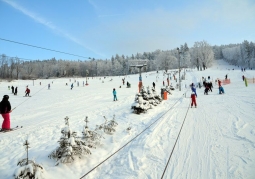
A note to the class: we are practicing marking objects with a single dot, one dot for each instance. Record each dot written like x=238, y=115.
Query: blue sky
x=102, y=28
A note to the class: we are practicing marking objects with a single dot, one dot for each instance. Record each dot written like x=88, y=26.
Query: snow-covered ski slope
x=217, y=139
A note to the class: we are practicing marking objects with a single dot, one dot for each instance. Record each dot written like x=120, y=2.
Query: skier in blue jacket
x=114, y=95
x=193, y=89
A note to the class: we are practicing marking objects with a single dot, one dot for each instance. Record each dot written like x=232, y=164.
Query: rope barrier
x=175, y=144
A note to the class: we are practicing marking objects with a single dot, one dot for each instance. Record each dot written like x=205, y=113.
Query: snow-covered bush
x=145, y=100
x=28, y=168
x=69, y=146
x=108, y=126
x=92, y=138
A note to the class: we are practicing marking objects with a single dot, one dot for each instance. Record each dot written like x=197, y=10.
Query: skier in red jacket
x=27, y=91
x=193, y=99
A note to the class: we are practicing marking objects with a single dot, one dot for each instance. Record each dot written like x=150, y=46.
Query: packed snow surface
x=217, y=139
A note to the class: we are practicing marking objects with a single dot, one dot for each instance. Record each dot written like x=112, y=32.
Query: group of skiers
x=208, y=87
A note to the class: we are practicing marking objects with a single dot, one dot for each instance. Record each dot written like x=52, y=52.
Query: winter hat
x=6, y=97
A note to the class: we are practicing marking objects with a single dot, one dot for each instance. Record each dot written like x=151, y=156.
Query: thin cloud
x=47, y=24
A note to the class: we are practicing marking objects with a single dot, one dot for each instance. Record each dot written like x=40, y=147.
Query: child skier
x=193, y=99
x=206, y=90
x=114, y=95
x=27, y=91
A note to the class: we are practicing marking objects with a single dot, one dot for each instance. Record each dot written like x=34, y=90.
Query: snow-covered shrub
x=69, y=146
x=145, y=100
x=108, y=126
x=28, y=168
x=92, y=138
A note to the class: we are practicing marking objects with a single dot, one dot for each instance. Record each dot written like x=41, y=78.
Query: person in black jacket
x=16, y=91
x=12, y=89
x=5, y=110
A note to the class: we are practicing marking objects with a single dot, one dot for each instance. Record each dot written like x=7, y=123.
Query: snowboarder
x=128, y=85
x=12, y=89
x=193, y=99
x=243, y=77
x=71, y=86
x=16, y=91
x=27, y=91
x=49, y=86
x=114, y=95
x=153, y=84
x=226, y=77
x=5, y=110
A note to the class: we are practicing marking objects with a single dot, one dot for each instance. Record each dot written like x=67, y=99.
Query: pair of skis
x=11, y=129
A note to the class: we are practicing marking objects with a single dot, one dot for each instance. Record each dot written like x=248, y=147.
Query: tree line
x=201, y=56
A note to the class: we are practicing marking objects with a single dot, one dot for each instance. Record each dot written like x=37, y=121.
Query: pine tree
x=92, y=138
x=69, y=146
x=108, y=126
x=28, y=168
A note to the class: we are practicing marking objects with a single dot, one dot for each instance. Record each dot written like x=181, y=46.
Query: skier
x=226, y=77
x=27, y=91
x=206, y=90
x=114, y=95
x=163, y=83
x=167, y=81
x=12, y=89
x=193, y=99
x=71, y=86
x=243, y=77
x=49, y=86
x=153, y=84
x=16, y=91
x=5, y=110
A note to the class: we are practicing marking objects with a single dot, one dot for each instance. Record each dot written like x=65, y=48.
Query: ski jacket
x=27, y=90
x=194, y=90
x=5, y=106
x=114, y=92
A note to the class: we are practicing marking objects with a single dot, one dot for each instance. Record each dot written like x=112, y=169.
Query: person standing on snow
x=27, y=91
x=153, y=84
x=12, y=89
x=193, y=99
x=71, y=86
x=114, y=95
x=16, y=91
x=5, y=110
